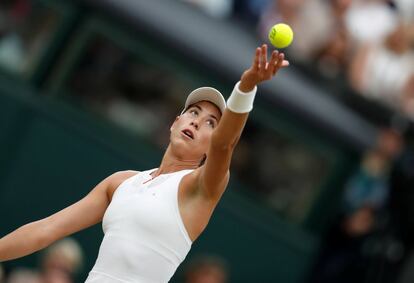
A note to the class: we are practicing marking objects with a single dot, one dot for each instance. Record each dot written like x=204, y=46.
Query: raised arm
x=214, y=174
x=80, y=215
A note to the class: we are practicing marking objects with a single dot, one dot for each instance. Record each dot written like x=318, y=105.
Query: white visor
x=206, y=94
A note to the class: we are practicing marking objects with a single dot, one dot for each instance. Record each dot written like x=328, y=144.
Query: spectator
x=370, y=21
x=207, y=269
x=61, y=261
x=344, y=257
x=385, y=72
x=26, y=27
x=369, y=185
x=12, y=46
x=383, y=65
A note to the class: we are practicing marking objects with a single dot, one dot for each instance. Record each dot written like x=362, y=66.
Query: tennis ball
x=281, y=35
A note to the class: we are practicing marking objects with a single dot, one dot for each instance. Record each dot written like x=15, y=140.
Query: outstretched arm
x=214, y=174
x=82, y=214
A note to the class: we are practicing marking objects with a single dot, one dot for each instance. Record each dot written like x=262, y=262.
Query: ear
x=172, y=126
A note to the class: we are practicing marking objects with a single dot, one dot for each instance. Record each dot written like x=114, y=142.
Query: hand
x=261, y=70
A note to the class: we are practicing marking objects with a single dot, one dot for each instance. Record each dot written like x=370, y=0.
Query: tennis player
x=151, y=218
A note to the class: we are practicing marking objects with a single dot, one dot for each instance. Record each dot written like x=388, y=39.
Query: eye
x=211, y=123
x=194, y=112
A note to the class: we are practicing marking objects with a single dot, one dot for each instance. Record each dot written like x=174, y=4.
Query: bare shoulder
x=190, y=181
x=117, y=179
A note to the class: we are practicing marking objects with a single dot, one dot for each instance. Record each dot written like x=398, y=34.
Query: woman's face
x=191, y=132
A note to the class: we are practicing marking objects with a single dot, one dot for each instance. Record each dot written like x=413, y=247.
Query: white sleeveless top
x=145, y=238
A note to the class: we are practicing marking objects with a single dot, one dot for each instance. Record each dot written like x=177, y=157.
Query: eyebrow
x=201, y=109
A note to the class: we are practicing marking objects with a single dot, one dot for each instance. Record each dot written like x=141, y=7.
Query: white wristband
x=241, y=102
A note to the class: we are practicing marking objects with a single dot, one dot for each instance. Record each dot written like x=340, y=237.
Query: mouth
x=188, y=133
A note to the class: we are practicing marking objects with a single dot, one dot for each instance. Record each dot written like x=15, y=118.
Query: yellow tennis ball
x=281, y=35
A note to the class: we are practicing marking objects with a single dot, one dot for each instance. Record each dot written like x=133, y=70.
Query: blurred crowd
x=367, y=42
x=63, y=261
x=370, y=43
x=59, y=263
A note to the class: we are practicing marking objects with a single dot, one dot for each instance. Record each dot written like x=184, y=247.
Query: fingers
x=273, y=60
x=285, y=63
x=280, y=63
x=264, y=69
x=256, y=60
x=263, y=58
x=280, y=60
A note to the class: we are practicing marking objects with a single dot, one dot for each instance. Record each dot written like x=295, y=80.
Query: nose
x=194, y=123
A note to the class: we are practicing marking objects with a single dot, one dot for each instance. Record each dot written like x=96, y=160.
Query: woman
x=151, y=218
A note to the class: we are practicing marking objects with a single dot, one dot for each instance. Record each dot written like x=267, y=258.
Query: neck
x=172, y=163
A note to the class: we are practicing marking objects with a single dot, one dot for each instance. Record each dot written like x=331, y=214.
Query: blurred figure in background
x=61, y=262
x=332, y=55
x=207, y=269
x=369, y=187
x=345, y=257
x=24, y=275
x=26, y=27
x=385, y=71
x=12, y=44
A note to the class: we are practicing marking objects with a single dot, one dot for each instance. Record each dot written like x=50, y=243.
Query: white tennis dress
x=145, y=238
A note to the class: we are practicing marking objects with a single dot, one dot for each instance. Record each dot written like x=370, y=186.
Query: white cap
x=206, y=94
